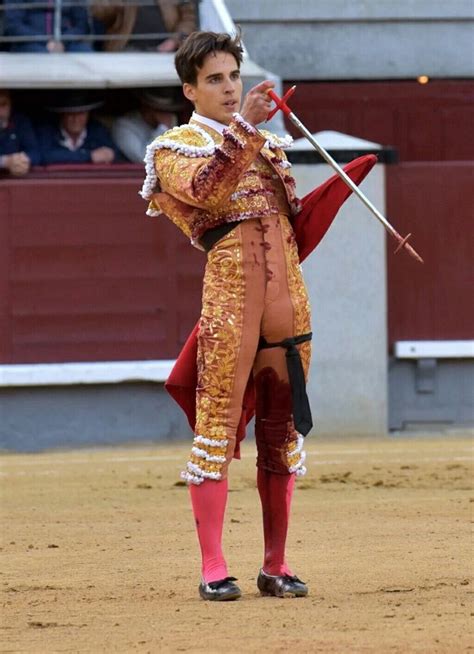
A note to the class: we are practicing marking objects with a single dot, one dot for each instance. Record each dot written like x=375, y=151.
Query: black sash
x=211, y=236
x=301, y=409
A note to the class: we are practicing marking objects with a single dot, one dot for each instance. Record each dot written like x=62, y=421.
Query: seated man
x=40, y=22
x=75, y=137
x=19, y=148
x=155, y=115
x=125, y=20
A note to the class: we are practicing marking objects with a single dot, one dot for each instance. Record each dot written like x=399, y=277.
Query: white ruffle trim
x=194, y=475
x=150, y=178
x=153, y=212
x=210, y=442
x=209, y=457
x=161, y=143
x=299, y=444
x=273, y=141
x=299, y=468
x=191, y=479
x=243, y=123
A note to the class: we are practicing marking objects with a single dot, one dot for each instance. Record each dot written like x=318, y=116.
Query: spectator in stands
x=176, y=17
x=75, y=137
x=19, y=148
x=155, y=115
x=40, y=22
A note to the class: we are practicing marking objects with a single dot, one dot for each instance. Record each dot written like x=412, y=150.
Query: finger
x=263, y=87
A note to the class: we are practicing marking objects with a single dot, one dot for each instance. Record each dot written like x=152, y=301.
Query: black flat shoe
x=223, y=590
x=283, y=586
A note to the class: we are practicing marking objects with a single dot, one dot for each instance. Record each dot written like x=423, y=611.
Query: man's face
x=217, y=93
x=74, y=122
x=5, y=108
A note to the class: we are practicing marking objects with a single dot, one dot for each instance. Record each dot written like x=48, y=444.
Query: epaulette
x=189, y=140
x=273, y=141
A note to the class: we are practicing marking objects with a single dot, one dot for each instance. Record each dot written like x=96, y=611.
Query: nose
x=229, y=86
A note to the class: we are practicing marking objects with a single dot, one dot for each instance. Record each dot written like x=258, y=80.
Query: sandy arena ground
x=99, y=553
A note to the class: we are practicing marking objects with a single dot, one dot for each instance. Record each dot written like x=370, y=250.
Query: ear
x=189, y=92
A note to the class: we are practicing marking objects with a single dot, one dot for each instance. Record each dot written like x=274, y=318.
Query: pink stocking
x=209, y=501
x=276, y=492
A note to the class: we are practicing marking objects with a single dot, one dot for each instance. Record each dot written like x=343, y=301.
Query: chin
x=227, y=117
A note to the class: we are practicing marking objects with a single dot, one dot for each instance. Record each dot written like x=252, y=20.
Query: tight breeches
x=252, y=287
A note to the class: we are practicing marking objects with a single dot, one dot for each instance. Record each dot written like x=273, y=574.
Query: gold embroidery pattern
x=220, y=330
x=200, y=179
x=298, y=293
x=295, y=455
x=302, y=325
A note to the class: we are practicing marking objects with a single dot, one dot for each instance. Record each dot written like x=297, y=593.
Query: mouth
x=231, y=105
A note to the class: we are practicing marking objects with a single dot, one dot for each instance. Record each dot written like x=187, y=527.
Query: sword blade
x=327, y=157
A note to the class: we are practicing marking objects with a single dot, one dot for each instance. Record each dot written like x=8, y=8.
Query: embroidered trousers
x=252, y=287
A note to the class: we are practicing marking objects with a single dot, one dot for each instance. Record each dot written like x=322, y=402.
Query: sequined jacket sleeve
x=206, y=182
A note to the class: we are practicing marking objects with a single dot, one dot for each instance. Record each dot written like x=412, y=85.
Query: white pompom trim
x=210, y=442
x=273, y=141
x=166, y=143
x=209, y=457
x=299, y=468
x=299, y=444
x=152, y=212
x=191, y=479
x=196, y=470
x=243, y=123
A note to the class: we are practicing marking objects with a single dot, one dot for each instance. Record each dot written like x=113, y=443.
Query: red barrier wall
x=434, y=201
x=425, y=122
x=86, y=276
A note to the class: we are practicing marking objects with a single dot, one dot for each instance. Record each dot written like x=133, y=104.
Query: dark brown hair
x=191, y=54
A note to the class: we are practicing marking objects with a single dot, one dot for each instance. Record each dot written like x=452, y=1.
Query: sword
x=282, y=106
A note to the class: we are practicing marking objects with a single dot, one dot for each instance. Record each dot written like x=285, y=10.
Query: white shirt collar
x=69, y=143
x=213, y=124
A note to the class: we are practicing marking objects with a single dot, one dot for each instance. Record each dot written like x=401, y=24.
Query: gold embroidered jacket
x=201, y=179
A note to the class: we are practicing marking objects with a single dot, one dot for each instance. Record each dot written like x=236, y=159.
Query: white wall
x=345, y=278
x=358, y=39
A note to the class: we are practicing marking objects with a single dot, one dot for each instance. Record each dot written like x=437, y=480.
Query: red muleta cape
x=319, y=208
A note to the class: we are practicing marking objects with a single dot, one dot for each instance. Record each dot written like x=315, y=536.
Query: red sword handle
x=280, y=102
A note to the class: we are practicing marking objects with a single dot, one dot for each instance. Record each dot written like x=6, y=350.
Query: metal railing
x=56, y=7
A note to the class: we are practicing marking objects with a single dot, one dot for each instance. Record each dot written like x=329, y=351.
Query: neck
x=210, y=122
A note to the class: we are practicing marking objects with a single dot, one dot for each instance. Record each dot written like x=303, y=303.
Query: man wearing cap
x=155, y=115
x=19, y=148
x=75, y=137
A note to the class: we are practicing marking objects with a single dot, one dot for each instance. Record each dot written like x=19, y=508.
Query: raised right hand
x=257, y=104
